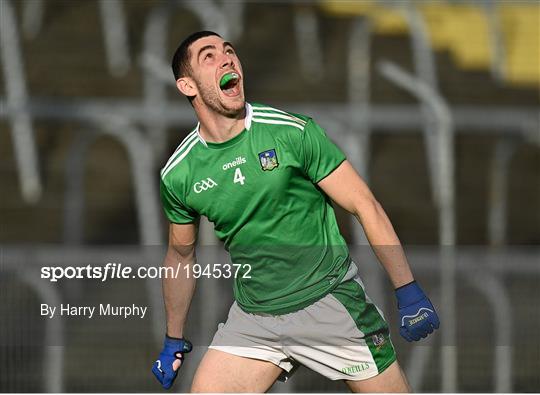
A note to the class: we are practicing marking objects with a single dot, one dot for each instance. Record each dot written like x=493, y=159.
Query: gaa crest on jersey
x=268, y=159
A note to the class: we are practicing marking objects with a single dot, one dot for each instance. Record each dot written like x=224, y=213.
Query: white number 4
x=238, y=177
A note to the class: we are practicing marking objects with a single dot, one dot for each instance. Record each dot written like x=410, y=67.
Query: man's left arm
x=346, y=188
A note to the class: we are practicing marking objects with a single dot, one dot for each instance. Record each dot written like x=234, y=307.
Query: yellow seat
x=520, y=25
x=463, y=30
x=385, y=20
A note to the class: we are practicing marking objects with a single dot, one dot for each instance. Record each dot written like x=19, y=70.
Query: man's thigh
x=391, y=380
x=223, y=372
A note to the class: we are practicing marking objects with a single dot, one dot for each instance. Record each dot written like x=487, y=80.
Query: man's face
x=211, y=59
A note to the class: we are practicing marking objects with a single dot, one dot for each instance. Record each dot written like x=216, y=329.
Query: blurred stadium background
x=435, y=102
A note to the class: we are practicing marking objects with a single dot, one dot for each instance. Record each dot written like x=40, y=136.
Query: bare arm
x=177, y=292
x=346, y=188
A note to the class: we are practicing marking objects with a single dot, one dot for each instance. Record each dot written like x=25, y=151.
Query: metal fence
x=140, y=124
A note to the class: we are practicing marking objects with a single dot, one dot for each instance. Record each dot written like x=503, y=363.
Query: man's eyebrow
x=209, y=46
x=227, y=44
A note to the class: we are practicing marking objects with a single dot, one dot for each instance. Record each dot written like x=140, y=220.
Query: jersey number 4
x=238, y=177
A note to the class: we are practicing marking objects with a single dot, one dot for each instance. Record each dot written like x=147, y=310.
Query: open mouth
x=229, y=84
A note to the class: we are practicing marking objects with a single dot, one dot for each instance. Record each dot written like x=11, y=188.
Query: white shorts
x=342, y=336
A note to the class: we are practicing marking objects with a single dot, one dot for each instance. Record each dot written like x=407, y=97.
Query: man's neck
x=217, y=128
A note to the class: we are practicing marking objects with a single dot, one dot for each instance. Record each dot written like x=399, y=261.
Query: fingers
x=423, y=330
x=157, y=373
x=433, y=317
x=166, y=374
x=426, y=329
x=176, y=364
x=405, y=334
x=415, y=336
x=431, y=325
x=168, y=379
x=419, y=332
x=436, y=321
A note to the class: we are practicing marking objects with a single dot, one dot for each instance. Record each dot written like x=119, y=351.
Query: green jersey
x=259, y=190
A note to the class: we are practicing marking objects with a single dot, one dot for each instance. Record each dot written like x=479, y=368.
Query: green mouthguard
x=226, y=78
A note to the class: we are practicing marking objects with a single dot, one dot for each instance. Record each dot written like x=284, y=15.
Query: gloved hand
x=173, y=349
x=417, y=314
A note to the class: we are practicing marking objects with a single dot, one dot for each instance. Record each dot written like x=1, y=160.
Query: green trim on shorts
x=368, y=320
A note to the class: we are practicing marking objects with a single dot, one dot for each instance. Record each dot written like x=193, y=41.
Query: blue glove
x=417, y=314
x=173, y=349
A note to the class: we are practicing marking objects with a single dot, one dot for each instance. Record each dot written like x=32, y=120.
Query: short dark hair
x=180, y=61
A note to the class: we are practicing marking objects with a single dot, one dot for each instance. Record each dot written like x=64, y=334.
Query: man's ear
x=186, y=86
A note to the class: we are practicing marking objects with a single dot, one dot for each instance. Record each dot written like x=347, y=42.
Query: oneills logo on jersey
x=204, y=185
x=238, y=161
x=268, y=159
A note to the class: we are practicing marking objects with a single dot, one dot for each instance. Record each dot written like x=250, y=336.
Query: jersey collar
x=249, y=115
x=247, y=123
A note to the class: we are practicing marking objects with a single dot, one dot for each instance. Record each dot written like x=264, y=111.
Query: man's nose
x=226, y=61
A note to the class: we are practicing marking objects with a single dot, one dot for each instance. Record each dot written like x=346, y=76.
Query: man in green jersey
x=265, y=178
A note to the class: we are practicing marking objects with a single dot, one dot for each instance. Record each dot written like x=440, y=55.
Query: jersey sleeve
x=173, y=207
x=320, y=155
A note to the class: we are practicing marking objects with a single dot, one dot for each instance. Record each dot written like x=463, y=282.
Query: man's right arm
x=178, y=292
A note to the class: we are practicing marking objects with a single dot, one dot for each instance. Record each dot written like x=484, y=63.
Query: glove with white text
x=417, y=314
